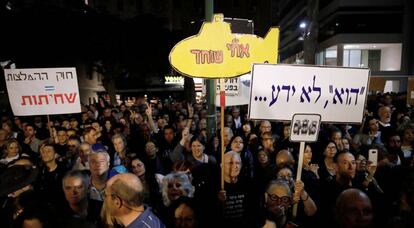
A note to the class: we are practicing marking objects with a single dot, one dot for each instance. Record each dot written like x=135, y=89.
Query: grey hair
x=279, y=183
x=121, y=137
x=103, y=152
x=233, y=154
x=229, y=131
x=185, y=183
x=79, y=174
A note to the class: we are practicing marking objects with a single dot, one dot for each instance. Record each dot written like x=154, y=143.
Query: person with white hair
x=238, y=200
x=99, y=167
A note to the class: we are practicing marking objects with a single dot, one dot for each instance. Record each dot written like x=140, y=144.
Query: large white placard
x=279, y=91
x=43, y=91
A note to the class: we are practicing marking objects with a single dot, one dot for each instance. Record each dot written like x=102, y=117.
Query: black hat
x=16, y=177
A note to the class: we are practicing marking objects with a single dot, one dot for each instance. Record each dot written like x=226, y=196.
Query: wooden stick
x=48, y=126
x=222, y=106
x=299, y=174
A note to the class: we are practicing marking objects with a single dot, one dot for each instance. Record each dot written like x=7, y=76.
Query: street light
x=304, y=30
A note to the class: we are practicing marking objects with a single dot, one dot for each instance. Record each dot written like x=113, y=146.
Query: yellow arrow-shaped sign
x=217, y=53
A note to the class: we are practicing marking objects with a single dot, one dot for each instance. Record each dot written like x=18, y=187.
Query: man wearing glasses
x=123, y=201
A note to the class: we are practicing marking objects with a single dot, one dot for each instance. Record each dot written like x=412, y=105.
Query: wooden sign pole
x=299, y=174
x=222, y=106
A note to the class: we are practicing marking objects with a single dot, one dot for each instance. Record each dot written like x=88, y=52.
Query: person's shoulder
x=212, y=159
x=149, y=218
x=269, y=224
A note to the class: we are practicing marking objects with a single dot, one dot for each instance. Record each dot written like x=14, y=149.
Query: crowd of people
x=157, y=165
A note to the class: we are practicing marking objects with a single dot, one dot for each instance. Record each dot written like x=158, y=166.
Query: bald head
x=128, y=187
x=353, y=209
x=284, y=158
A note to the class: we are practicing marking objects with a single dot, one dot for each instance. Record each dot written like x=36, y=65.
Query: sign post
x=304, y=128
x=228, y=55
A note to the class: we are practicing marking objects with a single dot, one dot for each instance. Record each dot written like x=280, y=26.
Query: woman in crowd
x=336, y=136
x=174, y=186
x=237, y=144
x=310, y=174
x=120, y=147
x=238, y=193
x=370, y=134
x=108, y=131
x=264, y=170
x=185, y=213
x=407, y=140
x=278, y=203
x=197, y=147
x=149, y=182
x=11, y=152
x=327, y=169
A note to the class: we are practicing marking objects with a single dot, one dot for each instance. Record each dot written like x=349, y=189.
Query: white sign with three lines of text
x=43, y=91
x=279, y=91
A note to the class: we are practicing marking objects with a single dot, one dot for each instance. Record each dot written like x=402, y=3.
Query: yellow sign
x=217, y=53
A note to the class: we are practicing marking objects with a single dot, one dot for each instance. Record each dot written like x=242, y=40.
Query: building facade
x=376, y=34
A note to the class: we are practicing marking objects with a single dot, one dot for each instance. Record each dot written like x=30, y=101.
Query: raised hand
x=190, y=110
x=148, y=111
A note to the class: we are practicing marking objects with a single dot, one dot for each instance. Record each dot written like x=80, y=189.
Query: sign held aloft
x=217, y=53
x=280, y=91
x=43, y=91
x=305, y=128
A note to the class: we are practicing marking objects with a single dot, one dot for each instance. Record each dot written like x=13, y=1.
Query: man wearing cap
x=16, y=183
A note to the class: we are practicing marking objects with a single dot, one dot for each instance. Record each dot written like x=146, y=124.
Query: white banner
x=280, y=91
x=243, y=95
x=43, y=91
x=231, y=86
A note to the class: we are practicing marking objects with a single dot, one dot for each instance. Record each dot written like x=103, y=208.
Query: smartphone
x=373, y=156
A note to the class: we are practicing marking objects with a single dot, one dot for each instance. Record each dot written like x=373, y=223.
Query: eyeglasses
x=284, y=200
x=285, y=177
x=69, y=145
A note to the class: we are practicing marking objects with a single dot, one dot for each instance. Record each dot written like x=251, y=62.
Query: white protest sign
x=305, y=128
x=280, y=91
x=243, y=94
x=231, y=86
x=43, y=91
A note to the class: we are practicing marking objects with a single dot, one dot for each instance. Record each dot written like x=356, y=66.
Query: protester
x=146, y=147
x=123, y=201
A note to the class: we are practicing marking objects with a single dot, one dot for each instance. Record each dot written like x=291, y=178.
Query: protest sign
x=241, y=97
x=280, y=91
x=43, y=91
x=216, y=52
